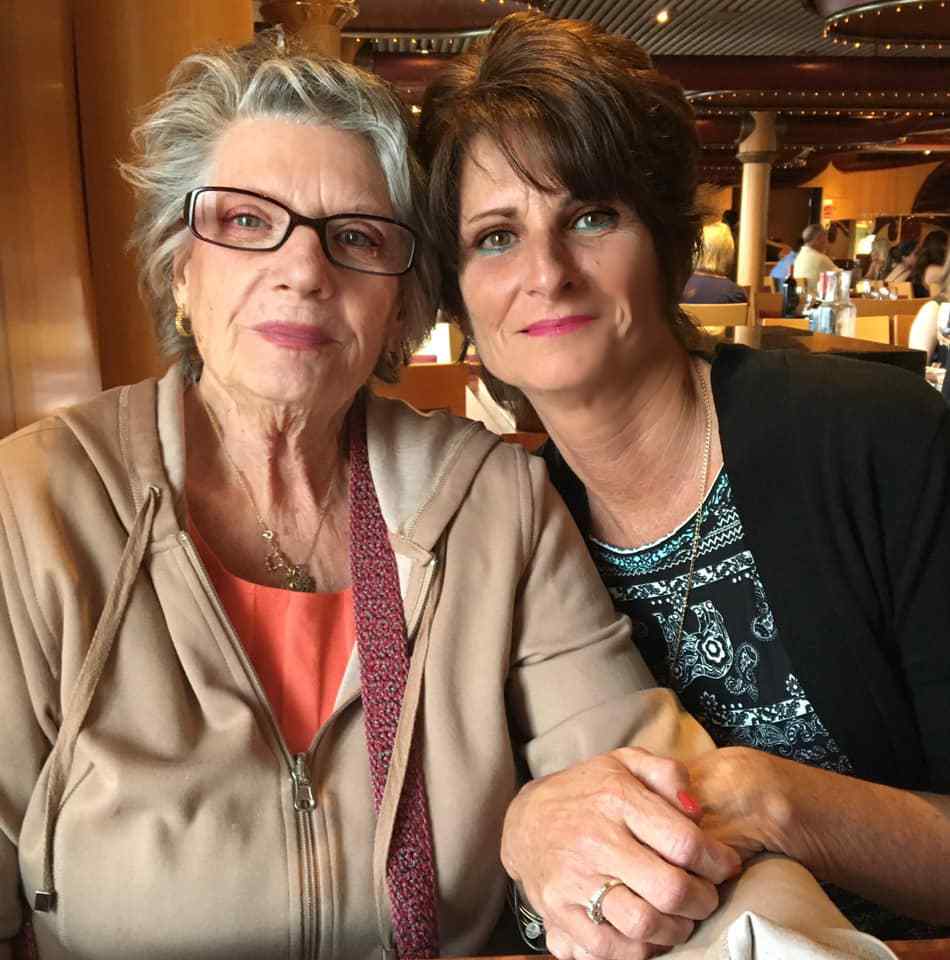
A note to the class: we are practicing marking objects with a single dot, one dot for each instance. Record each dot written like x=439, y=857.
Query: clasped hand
x=617, y=815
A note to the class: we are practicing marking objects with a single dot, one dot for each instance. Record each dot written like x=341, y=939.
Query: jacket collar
x=422, y=465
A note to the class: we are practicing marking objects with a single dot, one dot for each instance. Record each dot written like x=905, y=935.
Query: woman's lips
x=557, y=326
x=294, y=336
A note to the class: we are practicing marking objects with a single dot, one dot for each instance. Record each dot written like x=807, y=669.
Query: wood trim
x=124, y=52
x=47, y=341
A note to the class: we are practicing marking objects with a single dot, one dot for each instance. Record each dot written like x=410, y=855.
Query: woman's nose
x=551, y=265
x=303, y=265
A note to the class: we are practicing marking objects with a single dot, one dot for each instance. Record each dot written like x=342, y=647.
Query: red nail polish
x=690, y=804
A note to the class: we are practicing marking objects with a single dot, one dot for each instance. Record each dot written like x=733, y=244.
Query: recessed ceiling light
x=663, y=16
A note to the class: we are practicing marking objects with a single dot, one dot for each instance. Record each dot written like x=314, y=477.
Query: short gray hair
x=206, y=94
x=812, y=232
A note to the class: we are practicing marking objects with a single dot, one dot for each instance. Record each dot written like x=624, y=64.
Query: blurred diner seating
x=429, y=386
x=528, y=439
x=769, y=305
x=901, y=328
x=795, y=323
x=869, y=307
x=718, y=314
x=876, y=328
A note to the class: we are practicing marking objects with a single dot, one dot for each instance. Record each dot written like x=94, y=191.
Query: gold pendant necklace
x=697, y=524
x=296, y=576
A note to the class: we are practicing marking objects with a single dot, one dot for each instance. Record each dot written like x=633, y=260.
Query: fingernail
x=689, y=803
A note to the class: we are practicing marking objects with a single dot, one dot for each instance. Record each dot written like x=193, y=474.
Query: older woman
x=709, y=282
x=778, y=528
x=272, y=651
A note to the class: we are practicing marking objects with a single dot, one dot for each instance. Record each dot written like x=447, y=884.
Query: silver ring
x=595, y=906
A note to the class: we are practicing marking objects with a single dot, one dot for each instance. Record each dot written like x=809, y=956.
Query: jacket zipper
x=304, y=804
x=298, y=766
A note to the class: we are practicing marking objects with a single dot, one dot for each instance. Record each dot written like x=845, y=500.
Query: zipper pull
x=303, y=787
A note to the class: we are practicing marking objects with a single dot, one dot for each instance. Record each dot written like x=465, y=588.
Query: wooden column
x=757, y=152
x=47, y=327
x=124, y=52
x=316, y=22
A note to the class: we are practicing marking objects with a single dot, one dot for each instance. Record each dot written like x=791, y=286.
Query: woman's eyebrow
x=504, y=212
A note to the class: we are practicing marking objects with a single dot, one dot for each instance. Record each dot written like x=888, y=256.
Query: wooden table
x=787, y=338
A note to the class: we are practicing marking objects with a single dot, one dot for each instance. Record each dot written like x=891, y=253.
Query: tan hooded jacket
x=148, y=784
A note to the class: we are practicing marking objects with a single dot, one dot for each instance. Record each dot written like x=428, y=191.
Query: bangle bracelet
x=530, y=922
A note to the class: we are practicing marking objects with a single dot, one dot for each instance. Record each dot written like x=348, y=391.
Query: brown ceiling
x=863, y=107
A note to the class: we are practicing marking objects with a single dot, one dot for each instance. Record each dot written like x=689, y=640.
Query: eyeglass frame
x=319, y=225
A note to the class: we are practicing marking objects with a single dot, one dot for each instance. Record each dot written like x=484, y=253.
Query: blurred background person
x=929, y=262
x=812, y=258
x=880, y=254
x=709, y=282
x=901, y=266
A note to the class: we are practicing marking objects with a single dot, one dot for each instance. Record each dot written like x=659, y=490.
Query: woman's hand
x=617, y=815
x=736, y=787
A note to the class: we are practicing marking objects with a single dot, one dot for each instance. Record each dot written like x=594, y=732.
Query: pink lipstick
x=294, y=336
x=556, y=326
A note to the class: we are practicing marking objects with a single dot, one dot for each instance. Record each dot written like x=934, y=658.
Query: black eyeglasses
x=243, y=220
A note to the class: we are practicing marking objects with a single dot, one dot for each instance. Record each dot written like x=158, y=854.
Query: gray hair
x=206, y=94
x=812, y=232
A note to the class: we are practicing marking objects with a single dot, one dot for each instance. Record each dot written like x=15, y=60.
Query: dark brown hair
x=573, y=108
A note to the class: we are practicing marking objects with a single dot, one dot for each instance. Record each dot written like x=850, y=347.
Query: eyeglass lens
x=245, y=222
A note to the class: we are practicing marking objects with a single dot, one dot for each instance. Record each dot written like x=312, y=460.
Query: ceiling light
x=663, y=16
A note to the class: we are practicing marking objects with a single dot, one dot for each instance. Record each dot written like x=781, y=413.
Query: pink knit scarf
x=384, y=666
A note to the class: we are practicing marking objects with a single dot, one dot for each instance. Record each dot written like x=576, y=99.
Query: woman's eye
x=355, y=238
x=495, y=241
x=248, y=221
x=595, y=221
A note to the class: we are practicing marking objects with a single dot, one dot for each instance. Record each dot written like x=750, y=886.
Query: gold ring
x=595, y=906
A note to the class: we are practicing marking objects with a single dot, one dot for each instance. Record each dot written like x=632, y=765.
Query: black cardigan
x=841, y=474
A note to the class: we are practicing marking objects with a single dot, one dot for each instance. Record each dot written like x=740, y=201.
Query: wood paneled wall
x=47, y=324
x=124, y=52
x=75, y=74
x=871, y=193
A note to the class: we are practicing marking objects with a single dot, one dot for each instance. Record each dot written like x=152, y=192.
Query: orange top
x=299, y=644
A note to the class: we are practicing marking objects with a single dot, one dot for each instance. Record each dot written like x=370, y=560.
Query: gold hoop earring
x=182, y=323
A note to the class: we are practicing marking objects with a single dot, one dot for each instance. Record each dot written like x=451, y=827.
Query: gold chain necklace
x=296, y=576
x=697, y=524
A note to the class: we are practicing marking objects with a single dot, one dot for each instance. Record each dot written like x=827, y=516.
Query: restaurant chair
x=769, y=304
x=901, y=328
x=718, y=314
x=429, y=386
x=796, y=323
x=876, y=328
x=527, y=439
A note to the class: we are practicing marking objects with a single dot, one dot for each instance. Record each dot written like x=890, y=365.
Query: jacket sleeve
x=25, y=682
x=917, y=520
x=577, y=686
